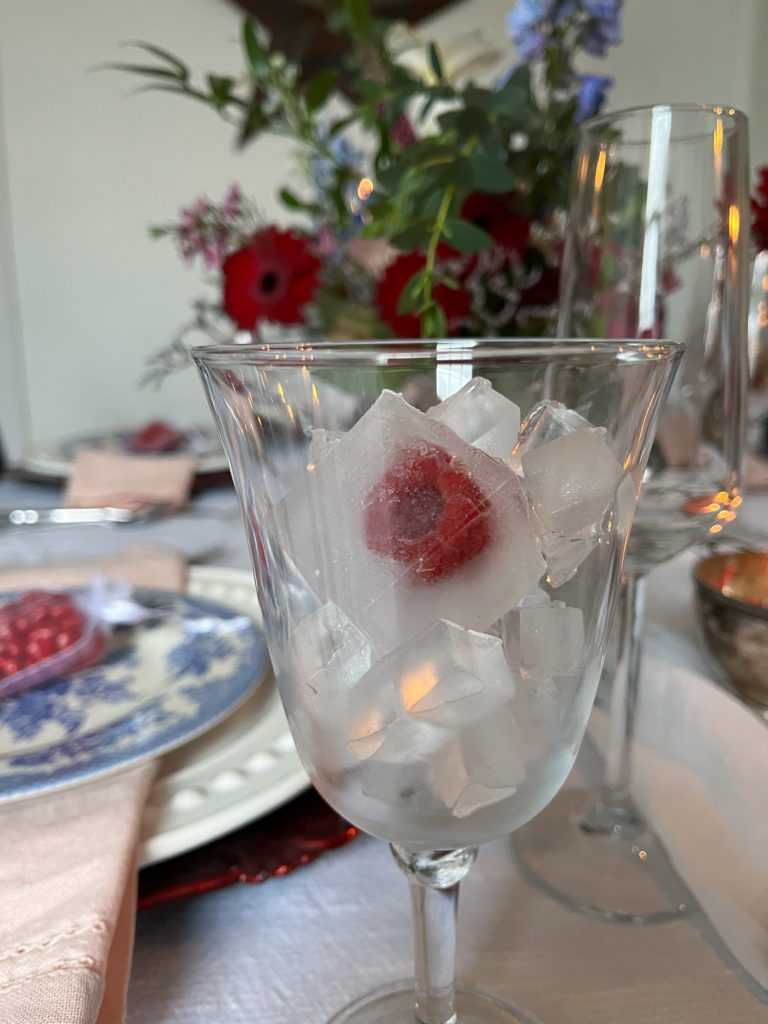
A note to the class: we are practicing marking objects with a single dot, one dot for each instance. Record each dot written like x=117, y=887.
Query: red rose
x=272, y=278
x=455, y=302
x=494, y=214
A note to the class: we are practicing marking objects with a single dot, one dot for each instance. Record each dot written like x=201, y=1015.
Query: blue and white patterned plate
x=162, y=684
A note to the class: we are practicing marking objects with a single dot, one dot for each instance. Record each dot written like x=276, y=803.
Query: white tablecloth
x=295, y=949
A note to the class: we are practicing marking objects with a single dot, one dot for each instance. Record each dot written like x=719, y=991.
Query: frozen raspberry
x=427, y=514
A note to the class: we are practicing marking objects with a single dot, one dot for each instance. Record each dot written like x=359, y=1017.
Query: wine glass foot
x=394, y=1004
x=623, y=876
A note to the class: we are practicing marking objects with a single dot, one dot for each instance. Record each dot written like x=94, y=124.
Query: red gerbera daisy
x=455, y=302
x=272, y=278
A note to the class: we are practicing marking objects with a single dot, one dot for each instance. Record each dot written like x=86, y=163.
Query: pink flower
x=230, y=206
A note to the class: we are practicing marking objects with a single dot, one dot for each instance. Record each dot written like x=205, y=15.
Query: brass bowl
x=732, y=604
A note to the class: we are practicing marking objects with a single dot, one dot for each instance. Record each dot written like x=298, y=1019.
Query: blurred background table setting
x=408, y=170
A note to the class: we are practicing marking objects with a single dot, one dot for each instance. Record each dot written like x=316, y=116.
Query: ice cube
x=434, y=768
x=482, y=417
x=431, y=678
x=401, y=768
x=327, y=654
x=433, y=720
x=321, y=442
x=545, y=422
x=564, y=555
x=571, y=481
x=329, y=651
x=325, y=528
x=547, y=641
x=493, y=758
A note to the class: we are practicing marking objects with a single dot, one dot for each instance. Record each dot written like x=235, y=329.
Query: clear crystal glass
x=656, y=246
x=437, y=532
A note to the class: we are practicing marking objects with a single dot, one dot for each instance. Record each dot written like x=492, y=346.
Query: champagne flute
x=436, y=678
x=656, y=245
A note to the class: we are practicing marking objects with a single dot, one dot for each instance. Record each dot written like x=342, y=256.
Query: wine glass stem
x=615, y=810
x=433, y=878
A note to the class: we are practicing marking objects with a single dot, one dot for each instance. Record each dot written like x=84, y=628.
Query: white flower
x=472, y=56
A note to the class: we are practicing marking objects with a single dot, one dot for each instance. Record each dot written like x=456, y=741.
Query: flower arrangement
x=432, y=205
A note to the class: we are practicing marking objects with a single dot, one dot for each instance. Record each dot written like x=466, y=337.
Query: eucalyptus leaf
x=413, y=237
x=465, y=236
x=319, y=89
x=410, y=297
x=490, y=175
x=433, y=323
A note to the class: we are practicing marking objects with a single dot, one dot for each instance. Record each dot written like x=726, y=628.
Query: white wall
x=85, y=166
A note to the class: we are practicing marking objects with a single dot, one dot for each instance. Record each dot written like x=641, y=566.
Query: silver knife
x=78, y=516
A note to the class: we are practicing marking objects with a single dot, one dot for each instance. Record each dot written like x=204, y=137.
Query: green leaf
x=181, y=68
x=178, y=88
x=340, y=125
x=142, y=69
x=509, y=100
x=257, y=57
x=435, y=63
x=359, y=13
x=253, y=122
x=465, y=236
x=290, y=199
x=475, y=96
x=491, y=175
x=319, y=89
x=220, y=87
x=410, y=297
x=449, y=282
x=466, y=121
x=433, y=323
x=414, y=236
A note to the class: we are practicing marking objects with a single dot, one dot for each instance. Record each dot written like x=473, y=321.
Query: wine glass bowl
x=437, y=585
x=656, y=246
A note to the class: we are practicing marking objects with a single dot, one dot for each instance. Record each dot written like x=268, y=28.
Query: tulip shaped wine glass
x=656, y=246
x=437, y=584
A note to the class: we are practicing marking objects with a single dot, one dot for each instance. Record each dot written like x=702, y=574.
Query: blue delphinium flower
x=527, y=26
x=591, y=96
x=604, y=27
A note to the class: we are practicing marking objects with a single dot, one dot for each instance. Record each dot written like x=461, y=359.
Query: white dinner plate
x=233, y=774
x=55, y=458
x=161, y=684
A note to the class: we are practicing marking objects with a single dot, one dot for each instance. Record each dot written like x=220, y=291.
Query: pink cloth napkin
x=68, y=858
x=68, y=899
x=128, y=481
x=145, y=565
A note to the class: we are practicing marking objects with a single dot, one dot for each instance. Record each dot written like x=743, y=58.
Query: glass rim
x=382, y=353
x=734, y=118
